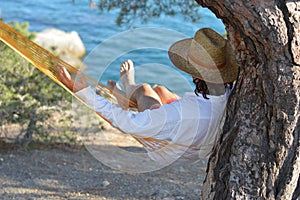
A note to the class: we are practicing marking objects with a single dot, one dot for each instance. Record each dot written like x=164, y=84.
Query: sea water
x=108, y=44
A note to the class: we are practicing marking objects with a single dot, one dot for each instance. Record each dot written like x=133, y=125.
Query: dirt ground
x=72, y=172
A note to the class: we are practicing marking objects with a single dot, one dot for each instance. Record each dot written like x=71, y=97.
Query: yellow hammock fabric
x=47, y=63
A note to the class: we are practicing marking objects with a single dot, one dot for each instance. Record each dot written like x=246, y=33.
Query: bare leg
x=119, y=94
x=164, y=94
x=142, y=94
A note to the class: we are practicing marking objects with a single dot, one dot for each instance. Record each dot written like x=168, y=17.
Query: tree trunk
x=258, y=154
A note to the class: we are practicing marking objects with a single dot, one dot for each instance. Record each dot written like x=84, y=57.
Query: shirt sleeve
x=156, y=123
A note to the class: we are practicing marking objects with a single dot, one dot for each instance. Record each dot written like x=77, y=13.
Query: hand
x=65, y=77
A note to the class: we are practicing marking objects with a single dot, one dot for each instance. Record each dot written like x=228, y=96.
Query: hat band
x=199, y=63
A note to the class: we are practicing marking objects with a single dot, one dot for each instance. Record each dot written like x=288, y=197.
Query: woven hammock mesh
x=46, y=62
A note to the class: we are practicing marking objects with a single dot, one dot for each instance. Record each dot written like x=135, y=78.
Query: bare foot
x=119, y=94
x=127, y=77
x=113, y=85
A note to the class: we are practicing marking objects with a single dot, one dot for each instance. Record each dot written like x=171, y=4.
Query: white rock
x=105, y=183
x=60, y=42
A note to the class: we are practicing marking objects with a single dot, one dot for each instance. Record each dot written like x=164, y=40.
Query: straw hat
x=207, y=56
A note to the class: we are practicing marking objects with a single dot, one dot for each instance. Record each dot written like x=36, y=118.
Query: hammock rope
x=47, y=63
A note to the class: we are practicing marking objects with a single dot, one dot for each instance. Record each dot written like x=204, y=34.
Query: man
x=188, y=126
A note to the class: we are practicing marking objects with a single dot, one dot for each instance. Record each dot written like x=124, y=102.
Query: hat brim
x=178, y=54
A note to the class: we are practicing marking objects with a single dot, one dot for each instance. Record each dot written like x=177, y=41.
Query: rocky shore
x=66, y=45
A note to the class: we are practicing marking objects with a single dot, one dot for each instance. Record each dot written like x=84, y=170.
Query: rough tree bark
x=258, y=153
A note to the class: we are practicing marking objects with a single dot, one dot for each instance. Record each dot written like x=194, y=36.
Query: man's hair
x=201, y=87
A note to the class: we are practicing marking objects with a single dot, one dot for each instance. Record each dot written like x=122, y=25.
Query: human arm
x=148, y=123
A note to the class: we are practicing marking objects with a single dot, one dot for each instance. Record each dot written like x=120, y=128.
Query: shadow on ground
x=71, y=172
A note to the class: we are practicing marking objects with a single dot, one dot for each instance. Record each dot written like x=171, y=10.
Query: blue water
x=107, y=44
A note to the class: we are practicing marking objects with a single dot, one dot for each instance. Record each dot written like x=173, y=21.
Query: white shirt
x=189, y=125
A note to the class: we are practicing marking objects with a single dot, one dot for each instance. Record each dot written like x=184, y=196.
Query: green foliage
x=142, y=10
x=28, y=97
x=23, y=29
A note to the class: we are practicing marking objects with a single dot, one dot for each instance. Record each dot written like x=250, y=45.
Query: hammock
x=47, y=63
